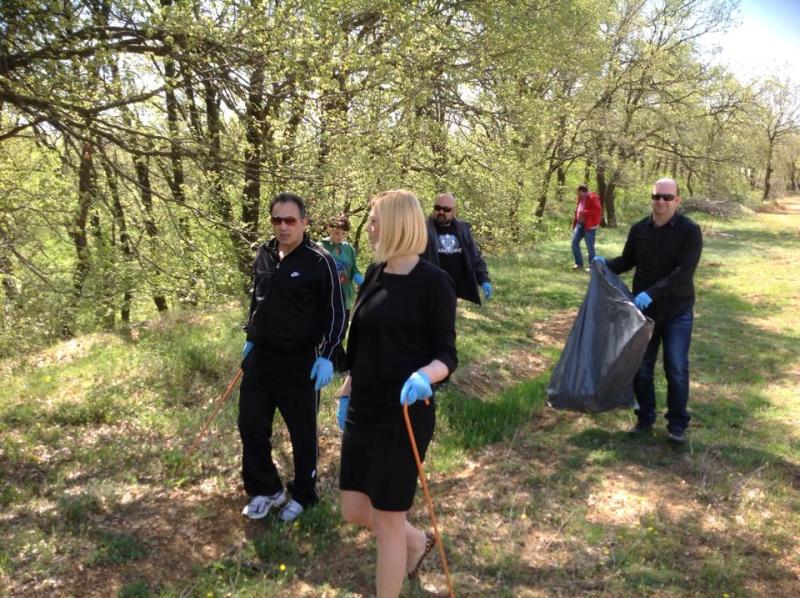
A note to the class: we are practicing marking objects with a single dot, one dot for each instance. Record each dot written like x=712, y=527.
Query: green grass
x=115, y=549
x=93, y=472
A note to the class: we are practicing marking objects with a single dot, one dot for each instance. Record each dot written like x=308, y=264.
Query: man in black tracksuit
x=452, y=247
x=296, y=321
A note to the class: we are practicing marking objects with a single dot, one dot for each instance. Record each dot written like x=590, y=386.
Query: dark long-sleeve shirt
x=400, y=324
x=297, y=307
x=665, y=258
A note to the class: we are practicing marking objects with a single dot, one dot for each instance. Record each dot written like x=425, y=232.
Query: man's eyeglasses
x=445, y=209
x=289, y=220
x=664, y=196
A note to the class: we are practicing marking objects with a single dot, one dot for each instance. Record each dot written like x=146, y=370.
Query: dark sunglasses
x=664, y=196
x=445, y=209
x=289, y=220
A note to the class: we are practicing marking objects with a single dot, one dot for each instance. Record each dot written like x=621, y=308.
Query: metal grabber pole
x=211, y=417
x=424, y=484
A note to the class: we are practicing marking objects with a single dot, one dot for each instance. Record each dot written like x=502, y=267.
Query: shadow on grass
x=676, y=556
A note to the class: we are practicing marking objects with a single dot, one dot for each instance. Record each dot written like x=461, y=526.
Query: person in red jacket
x=585, y=224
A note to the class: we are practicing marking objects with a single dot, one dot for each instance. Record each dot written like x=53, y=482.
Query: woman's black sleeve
x=442, y=316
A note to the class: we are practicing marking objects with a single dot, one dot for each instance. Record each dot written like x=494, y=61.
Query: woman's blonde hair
x=402, y=229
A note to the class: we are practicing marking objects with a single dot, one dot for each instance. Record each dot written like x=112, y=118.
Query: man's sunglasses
x=289, y=220
x=445, y=209
x=664, y=196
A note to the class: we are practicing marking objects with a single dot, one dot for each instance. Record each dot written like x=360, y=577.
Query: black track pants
x=298, y=407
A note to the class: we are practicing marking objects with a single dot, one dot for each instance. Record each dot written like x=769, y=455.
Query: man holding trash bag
x=665, y=249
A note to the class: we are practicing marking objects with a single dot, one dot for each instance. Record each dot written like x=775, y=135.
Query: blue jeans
x=675, y=335
x=578, y=233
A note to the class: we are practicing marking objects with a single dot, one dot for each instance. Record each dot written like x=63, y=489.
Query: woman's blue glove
x=322, y=370
x=642, y=300
x=358, y=278
x=417, y=387
x=341, y=412
x=248, y=346
x=487, y=289
x=599, y=259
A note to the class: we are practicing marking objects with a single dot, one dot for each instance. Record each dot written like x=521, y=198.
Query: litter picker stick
x=211, y=417
x=427, y=494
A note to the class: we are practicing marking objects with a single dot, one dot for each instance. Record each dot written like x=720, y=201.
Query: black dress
x=400, y=324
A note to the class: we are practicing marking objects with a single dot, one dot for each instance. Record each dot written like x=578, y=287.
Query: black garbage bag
x=604, y=349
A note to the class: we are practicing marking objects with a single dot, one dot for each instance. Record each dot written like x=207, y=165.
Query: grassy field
x=97, y=499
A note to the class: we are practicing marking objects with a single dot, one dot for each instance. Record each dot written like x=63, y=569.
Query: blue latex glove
x=322, y=370
x=358, y=278
x=416, y=388
x=642, y=300
x=487, y=289
x=599, y=259
x=248, y=346
x=341, y=412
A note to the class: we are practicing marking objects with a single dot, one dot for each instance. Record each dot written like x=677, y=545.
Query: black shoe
x=640, y=429
x=677, y=437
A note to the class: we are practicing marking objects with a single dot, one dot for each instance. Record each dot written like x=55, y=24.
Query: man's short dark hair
x=285, y=197
x=583, y=188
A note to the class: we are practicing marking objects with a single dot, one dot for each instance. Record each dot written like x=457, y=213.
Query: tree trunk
x=513, y=215
x=251, y=195
x=768, y=172
x=794, y=180
x=176, y=181
x=561, y=176
x=124, y=241
x=600, y=177
x=146, y=191
x=86, y=195
x=7, y=280
x=541, y=204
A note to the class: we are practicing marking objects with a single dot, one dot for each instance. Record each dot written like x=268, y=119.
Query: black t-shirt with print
x=450, y=251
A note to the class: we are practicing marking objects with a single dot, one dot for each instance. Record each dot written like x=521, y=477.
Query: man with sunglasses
x=452, y=247
x=665, y=249
x=296, y=321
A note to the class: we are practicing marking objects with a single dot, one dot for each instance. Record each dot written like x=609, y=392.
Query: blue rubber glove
x=341, y=412
x=599, y=259
x=358, y=278
x=248, y=346
x=322, y=370
x=487, y=289
x=642, y=300
x=416, y=388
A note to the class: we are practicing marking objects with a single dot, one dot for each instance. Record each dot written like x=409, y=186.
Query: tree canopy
x=141, y=140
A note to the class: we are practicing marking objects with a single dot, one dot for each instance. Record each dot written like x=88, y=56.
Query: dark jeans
x=579, y=233
x=258, y=401
x=675, y=335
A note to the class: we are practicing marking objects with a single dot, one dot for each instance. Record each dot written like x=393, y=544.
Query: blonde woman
x=402, y=340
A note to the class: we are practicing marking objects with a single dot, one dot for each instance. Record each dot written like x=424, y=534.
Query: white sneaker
x=259, y=506
x=291, y=511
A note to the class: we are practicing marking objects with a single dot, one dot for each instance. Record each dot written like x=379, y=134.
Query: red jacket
x=592, y=212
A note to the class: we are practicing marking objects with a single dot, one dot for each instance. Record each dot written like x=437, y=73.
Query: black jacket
x=665, y=258
x=422, y=330
x=297, y=302
x=473, y=267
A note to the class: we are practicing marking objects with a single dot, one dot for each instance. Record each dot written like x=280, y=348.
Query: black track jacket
x=297, y=302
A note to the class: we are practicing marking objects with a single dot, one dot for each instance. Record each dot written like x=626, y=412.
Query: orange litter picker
x=211, y=417
x=428, y=501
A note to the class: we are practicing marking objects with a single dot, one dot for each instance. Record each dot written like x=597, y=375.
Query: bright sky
x=764, y=41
